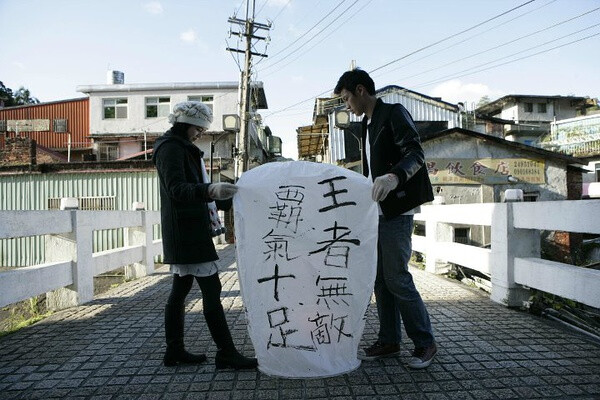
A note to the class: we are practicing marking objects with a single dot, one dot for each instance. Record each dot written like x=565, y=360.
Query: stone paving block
x=316, y=392
x=198, y=396
x=114, y=345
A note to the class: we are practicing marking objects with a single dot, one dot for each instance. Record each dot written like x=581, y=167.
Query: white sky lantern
x=306, y=236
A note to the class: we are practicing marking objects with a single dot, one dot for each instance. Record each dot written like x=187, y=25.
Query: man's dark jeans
x=397, y=298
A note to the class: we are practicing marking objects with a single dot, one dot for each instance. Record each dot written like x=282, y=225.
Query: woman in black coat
x=189, y=221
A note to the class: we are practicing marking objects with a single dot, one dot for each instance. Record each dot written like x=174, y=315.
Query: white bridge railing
x=513, y=261
x=70, y=264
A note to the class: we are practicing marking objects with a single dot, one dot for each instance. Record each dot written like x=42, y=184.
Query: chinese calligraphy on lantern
x=306, y=237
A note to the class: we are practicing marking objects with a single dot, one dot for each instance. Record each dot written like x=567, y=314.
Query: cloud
x=455, y=91
x=277, y=3
x=153, y=7
x=18, y=64
x=188, y=36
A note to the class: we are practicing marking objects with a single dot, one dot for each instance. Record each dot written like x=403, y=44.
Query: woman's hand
x=222, y=191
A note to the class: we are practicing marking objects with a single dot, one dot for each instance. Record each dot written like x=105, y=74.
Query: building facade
x=577, y=137
x=528, y=117
x=60, y=126
x=325, y=142
x=126, y=119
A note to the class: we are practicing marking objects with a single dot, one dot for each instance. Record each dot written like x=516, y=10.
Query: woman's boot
x=227, y=355
x=174, y=324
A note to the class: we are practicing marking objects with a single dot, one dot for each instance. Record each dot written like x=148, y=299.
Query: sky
x=458, y=50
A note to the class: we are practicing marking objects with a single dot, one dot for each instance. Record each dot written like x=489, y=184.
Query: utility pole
x=250, y=27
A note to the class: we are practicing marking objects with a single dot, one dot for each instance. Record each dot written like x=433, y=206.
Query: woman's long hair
x=180, y=129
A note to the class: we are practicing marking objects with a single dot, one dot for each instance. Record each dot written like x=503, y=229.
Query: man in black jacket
x=393, y=158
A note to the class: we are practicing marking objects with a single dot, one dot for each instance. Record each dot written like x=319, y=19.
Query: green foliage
x=23, y=314
x=9, y=98
x=6, y=96
x=483, y=101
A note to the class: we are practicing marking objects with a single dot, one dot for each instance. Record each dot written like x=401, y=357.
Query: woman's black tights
x=209, y=285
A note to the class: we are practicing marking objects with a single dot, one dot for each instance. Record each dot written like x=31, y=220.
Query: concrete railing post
x=431, y=235
x=508, y=243
x=140, y=235
x=76, y=245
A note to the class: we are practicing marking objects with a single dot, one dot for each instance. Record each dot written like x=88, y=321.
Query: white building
x=342, y=145
x=529, y=116
x=125, y=119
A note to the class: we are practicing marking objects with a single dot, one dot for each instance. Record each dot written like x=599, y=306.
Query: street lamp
x=342, y=121
x=231, y=123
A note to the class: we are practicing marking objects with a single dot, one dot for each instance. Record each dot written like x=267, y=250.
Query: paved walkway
x=112, y=347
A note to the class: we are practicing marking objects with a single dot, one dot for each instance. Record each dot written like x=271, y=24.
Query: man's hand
x=383, y=185
x=222, y=191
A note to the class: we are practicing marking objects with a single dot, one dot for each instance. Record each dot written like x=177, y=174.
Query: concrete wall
x=561, y=108
x=225, y=102
x=462, y=146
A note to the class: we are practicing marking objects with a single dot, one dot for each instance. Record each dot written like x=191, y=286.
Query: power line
x=466, y=39
x=261, y=7
x=320, y=41
x=314, y=36
x=414, y=52
x=446, y=64
x=451, y=36
x=307, y=32
x=507, y=62
x=280, y=11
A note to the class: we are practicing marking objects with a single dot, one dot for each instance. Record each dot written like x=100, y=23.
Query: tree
x=483, y=101
x=6, y=96
x=23, y=96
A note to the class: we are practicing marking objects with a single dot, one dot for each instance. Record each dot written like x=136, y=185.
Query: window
x=528, y=107
x=530, y=196
x=205, y=98
x=87, y=203
x=114, y=108
x=2, y=125
x=108, y=151
x=461, y=235
x=158, y=107
x=59, y=125
x=542, y=108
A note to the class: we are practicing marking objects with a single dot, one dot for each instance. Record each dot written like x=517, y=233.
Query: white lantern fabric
x=306, y=242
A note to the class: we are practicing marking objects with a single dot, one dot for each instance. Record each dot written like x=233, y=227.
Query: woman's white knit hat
x=192, y=112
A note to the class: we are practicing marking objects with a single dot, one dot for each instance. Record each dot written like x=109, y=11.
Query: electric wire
x=465, y=40
x=308, y=31
x=237, y=10
x=237, y=61
x=405, y=56
x=507, y=62
x=446, y=64
x=260, y=8
x=451, y=36
x=314, y=36
x=284, y=7
x=320, y=41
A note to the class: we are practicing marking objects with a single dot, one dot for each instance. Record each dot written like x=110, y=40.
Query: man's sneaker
x=422, y=357
x=379, y=350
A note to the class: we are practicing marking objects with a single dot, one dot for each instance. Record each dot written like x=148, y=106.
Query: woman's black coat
x=185, y=221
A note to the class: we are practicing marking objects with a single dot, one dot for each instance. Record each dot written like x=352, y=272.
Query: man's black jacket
x=395, y=147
